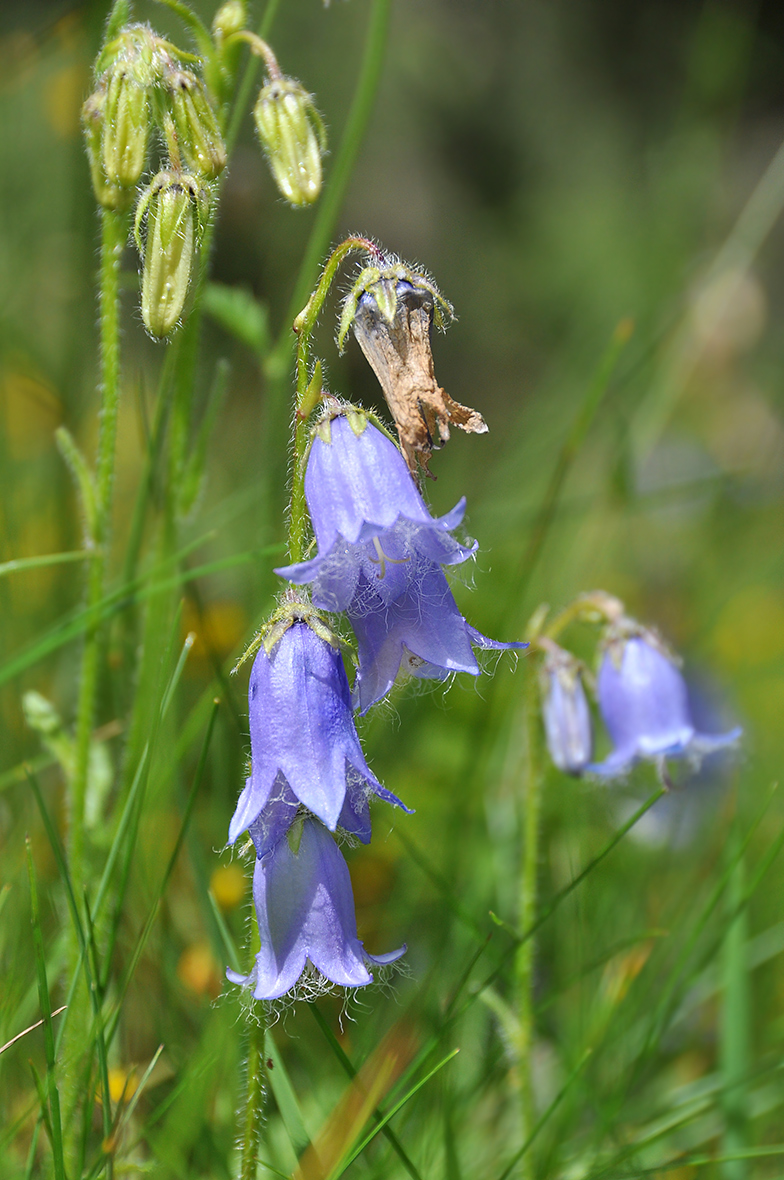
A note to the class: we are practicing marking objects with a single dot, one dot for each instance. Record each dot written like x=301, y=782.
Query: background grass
x=558, y=168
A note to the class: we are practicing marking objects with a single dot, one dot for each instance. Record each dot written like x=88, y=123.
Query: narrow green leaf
x=346, y=1064
x=82, y=476
x=52, y=1094
x=541, y=1122
x=285, y=1097
x=195, y=465
x=391, y=1113
x=239, y=313
x=20, y=564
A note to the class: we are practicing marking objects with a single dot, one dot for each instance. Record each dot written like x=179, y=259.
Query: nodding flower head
x=644, y=703
x=294, y=138
x=368, y=515
x=567, y=718
x=302, y=728
x=391, y=310
x=305, y=910
x=420, y=631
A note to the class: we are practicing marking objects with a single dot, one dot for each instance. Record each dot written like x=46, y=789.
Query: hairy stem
x=113, y=234
x=254, y=1103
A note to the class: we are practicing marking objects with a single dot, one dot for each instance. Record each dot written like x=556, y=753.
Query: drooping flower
x=301, y=727
x=567, y=718
x=368, y=515
x=282, y=806
x=305, y=910
x=420, y=629
x=644, y=703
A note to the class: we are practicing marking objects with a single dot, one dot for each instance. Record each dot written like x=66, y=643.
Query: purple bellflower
x=368, y=515
x=644, y=703
x=421, y=629
x=305, y=910
x=567, y=718
x=303, y=737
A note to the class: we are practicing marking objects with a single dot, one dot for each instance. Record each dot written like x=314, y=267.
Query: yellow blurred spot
x=219, y=629
x=227, y=885
x=198, y=970
x=62, y=99
x=750, y=630
x=31, y=409
x=123, y=1084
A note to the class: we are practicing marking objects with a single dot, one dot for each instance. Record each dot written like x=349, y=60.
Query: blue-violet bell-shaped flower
x=368, y=515
x=421, y=629
x=565, y=711
x=302, y=728
x=644, y=703
x=305, y=910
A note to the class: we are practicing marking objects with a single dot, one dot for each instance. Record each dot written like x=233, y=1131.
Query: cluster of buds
x=641, y=693
x=144, y=82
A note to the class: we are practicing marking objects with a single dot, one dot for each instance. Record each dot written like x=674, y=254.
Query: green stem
x=345, y=159
x=524, y=960
x=113, y=234
x=304, y=324
x=254, y=1103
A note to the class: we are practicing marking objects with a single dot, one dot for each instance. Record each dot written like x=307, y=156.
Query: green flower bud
x=176, y=206
x=230, y=18
x=126, y=127
x=129, y=67
x=293, y=136
x=93, y=110
x=199, y=141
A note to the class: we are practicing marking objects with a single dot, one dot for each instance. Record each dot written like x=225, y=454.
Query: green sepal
x=312, y=395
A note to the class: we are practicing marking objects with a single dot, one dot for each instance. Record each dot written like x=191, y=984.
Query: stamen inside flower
x=383, y=559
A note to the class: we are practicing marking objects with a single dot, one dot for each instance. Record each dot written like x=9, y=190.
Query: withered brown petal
x=400, y=355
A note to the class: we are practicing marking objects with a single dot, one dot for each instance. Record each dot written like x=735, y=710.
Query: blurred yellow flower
x=227, y=885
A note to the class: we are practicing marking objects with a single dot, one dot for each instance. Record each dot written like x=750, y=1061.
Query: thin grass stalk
x=524, y=959
x=113, y=233
x=734, y=1032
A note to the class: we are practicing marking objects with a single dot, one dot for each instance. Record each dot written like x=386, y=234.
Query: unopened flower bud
x=93, y=110
x=175, y=206
x=199, y=141
x=567, y=718
x=230, y=18
x=126, y=126
x=293, y=136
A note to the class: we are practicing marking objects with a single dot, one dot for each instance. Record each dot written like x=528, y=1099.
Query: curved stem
x=260, y=49
x=345, y=159
x=113, y=233
x=246, y=85
x=524, y=961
